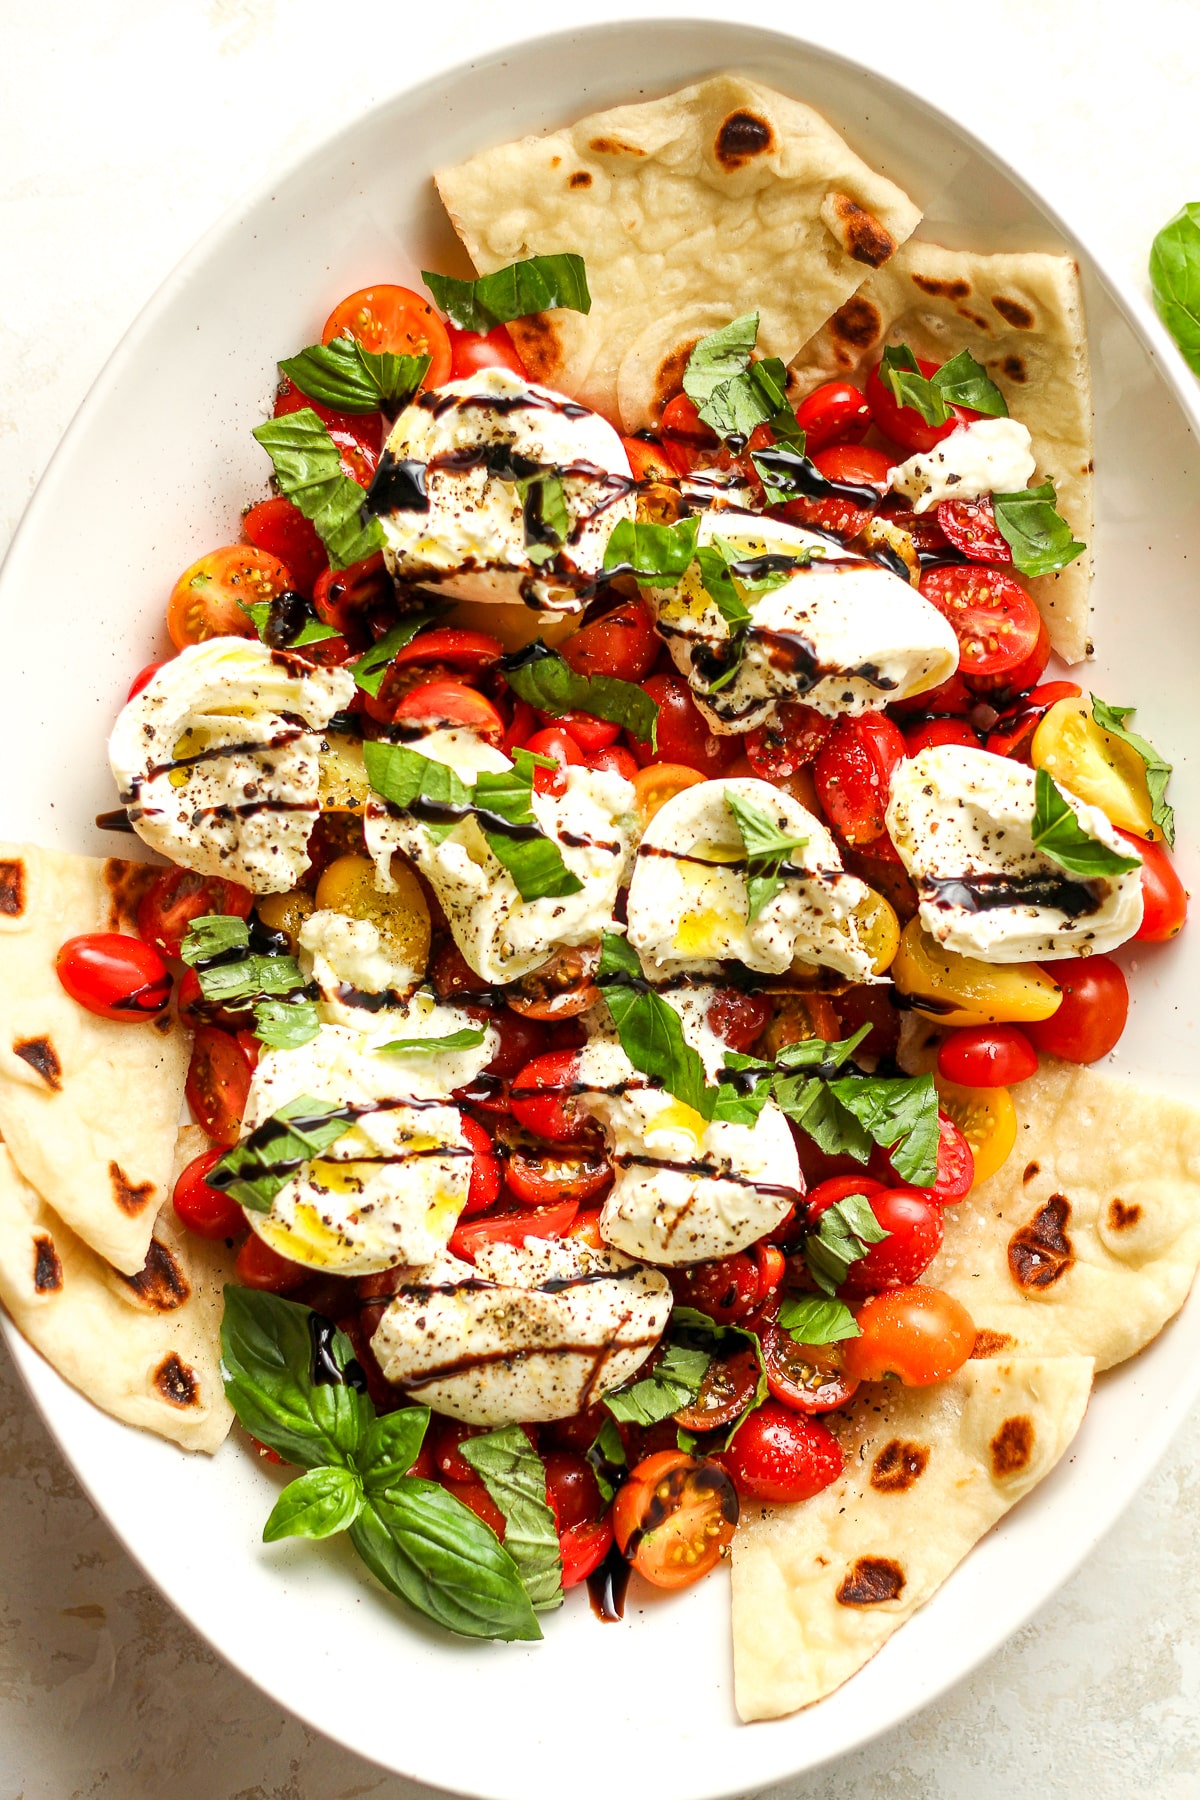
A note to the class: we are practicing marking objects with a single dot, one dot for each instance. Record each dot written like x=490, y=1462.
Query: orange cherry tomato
x=648, y=461
x=675, y=1517
x=919, y=1334
x=657, y=783
x=397, y=321
x=205, y=600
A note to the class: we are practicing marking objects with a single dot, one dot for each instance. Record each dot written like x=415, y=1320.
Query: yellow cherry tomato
x=1094, y=765
x=987, y=1119
x=286, y=913
x=660, y=782
x=401, y=918
x=344, y=785
x=961, y=990
x=878, y=931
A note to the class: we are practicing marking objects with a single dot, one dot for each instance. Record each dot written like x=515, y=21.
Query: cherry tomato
x=541, y=1098
x=205, y=1210
x=648, y=461
x=621, y=642
x=572, y=1490
x=727, y=1290
x=737, y=1018
x=994, y=619
x=560, y=745
x=827, y=1193
x=807, y=1378
x=971, y=527
x=396, y=321
x=683, y=732
x=955, y=1164
x=1013, y=731
x=471, y=351
x=589, y=732
x=205, y=600
x=114, y=976
x=144, y=677
x=282, y=530
x=835, y=413
x=687, y=442
x=468, y=1239
x=347, y=598
x=444, y=1437
x=218, y=1081
x=583, y=1549
x=674, y=1518
x=614, y=761
x=919, y=1334
x=521, y=727
x=561, y=988
x=485, y=1169
x=450, y=645
x=537, y=1179
x=450, y=705
x=951, y=697
x=940, y=731
x=474, y=1495
x=788, y=741
x=780, y=1455
x=657, y=783
x=1164, y=897
x=521, y=1038
x=904, y=424
x=358, y=436
x=1000, y=690
x=1095, y=1006
x=914, y=1226
x=726, y=1391
x=840, y=514
x=985, y=1056
x=853, y=773
x=258, y=1266
x=178, y=896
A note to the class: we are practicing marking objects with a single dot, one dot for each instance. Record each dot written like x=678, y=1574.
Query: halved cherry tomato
x=397, y=321
x=985, y=1056
x=541, y=1098
x=986, y=1118
x=1095, y=1006
x=621, y=642
x=282, y=530
x=971, y=527
x=258, y=1266
x=727, y=1290
x=674, y=1517
x=114, y=976
x=683, y=732
x=853, y=773
x=994, y=619
x=657, y=783
x=471, y=351
x=789, y=741
x=687, y=442
x=444, y=1437
x=571, y=1489
x=855, y=464
x=904, y=424
x=1013, y=731
x=727, y=1389
x=955, y=1164
x=452, y=646
x=475, y=1496
x=918, y=1334
x=468, y=1239
x=770, y=1262
x=940, y=731
x=347, y=598
x=1001, y=690
x=205, y=600
x=566, y=753
x=536, y=1178
x=589, y=732
x=835, y=413
x=358, y=436
x=561, y=988
x=1164, y=897
x=203, y=1209
x=808, y=1378
x=950, y=698
x=839, y=1187
x=1095, y=766
x=218, y=1081
x=521, y=1038
x=485, y=1169
x=614, y=761
x=450, y=705
x=962, y=990
x=521, y=727
x=779, y=1454
x=144, y=677
x=583, y=1549
x=737, y=1018
x=914, y=1225
x=586, y=1229
x=648, y=461
x=178, y=896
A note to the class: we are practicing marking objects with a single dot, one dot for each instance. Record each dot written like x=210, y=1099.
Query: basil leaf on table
x=515, y=1476
x=671, y=1384
x=1175, y=279
x=308, y=471
x=267, y=1351
x=344, y=375
x=316, y=1505
x=1034, y=530
x=846, y=1231
x=1059, y=835
x=1158, y=770
x=808, y=1320
x=655, y=555
x=536, y=284
x=370, y=668
x=546, y=680
x=286, y=1024
x=469, y=1038
x=255, y=1169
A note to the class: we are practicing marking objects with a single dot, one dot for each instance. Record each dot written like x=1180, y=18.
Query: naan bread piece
x=1019, y=313
x=1088, y=1239
x=688, y=211
x=88, y=1106
x=818, y=1588
x=146, y=1347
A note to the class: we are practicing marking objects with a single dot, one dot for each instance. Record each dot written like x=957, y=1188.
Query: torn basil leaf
x=546, y=514
x=1175, y=279
x=1034, y=530
x=288, y=622
x=767, y=850
x=655, y=555
x=254, y=1171
x=671, y=1384
x=515, y=1476
x=546, y=680
x=286, y=1024
x=1158, y=770
x=344, y=375
x=845, y=1233
x=733, y=394
x=900, y=1114
x=308, y=471
x=960, y=382
x=537, y=284
x=213, y=935
x=1059, y=835
x=811, y=1321
x=469, y=1038
x=649, y=1028
x=218, y=948
x=370, y=668
x=403, y=776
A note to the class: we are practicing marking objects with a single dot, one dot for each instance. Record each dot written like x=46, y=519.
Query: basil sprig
x=1175, y=279
x=1059, y=835
x=670, y=1385
x=1034, y=530
x=767, y=850
x=469, y=1038
x=293, y=1382
x=547, y=681
x=308, y=471
x=808, y=1320
x=960, y=382
x=733, y=394
x=655, y=555
x=1158, y=770
x=845, y=1232
x=342, y=374
x=217, y=946
x=370, y=668
x=515, y=1476
x=536, y=284
x=255, y=1170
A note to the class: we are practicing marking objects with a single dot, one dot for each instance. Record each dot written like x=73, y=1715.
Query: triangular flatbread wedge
x=145, y=1348
x=688, y=211
x=1020, y=313
x=88, y=1107
x=819, y=1587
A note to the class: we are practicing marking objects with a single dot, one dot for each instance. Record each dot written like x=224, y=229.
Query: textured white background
x=125, y=128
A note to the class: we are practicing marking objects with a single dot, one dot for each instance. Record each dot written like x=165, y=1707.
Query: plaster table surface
x=124, y=130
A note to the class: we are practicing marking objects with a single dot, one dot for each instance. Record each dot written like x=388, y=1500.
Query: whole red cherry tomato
x=571, y=1489
x=853, y=773
x=904, y=424
x=986, y=1056
x=616, y=760
x=919, y=1334
x=176, y=897
x=914, y=1225
x=859, y=466
x=559, y=744
x=485, y=1168
x=727, y=1290
x=583, y=1549
x=282, y=530
x=835, y=413
x=683, y=732
x=1092, y=1015
x=203, y=1209
x=621, y=642
x=114, y=976
x=471, y=351
x=737, y=1018
x=780, y=1455
x=218, y=1082
x=932, y=732
x=1164, y=897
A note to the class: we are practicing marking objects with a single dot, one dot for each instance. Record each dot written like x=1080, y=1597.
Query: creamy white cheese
x=843, y=634
x=470, y=539
x=985, y=456
x=210, y=770
x=348, y=956
x=502, y=936
x=389, y=1191
x=689, y=894
x=514, y=1352
x=962, y=821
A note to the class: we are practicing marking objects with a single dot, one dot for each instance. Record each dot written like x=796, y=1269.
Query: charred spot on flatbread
x=1041, y=1253
x=857, y=323
x=161, y=1284
x=176, y=1382
x=898, y=1465
x=858, y=231
x=743, y=136
x=1014, y=313
x=1122, y=1217
x=126, y=882
x=606, y=146
x=954, y=288
x=538, y=340
x=668, y=377
x=1012, y=1446
x=41, y=1056
x=989, y=1343
x=47, y=1270
x=12, y=887
x=580, y=179
x=872, y=1581
x=130, y=1196
x=1032, y=1170
x=1015, y=369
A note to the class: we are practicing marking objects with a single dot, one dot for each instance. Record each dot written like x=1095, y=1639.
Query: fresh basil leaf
x=268, y=1349
x=901, y=1115
x=649, y=1028
x=1034, y=530
x=718, y=1338
x=900, y=373
x=389, y=1448
x=720, y=587
x=732, y=395
x=547, y=681
x=964, y=382
x=655, y=555
x=547, y=516
x=515, y=1476
x=960, y=382
x=671, y=1384
x=212, y=935
x=810, y=1103
x=315, y=1505
x=1059, y=835
x=767, y=849
x=370, y=668
x=286, y=1024
x=308, y=472
x=402, y=775
x=843, y=1236
x=606, y=1456
x=811, y=1321
x=344, y=375
x=249, y=978
x=1158, y=770
x=469, y=1038
x=740, y=1103
x=265, y=617
x=537, y=284
x=719, y=359
x=1175, y=280
x=810, y=1053
x=254, y=1171
x=431, y=1551
x=535, y=863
